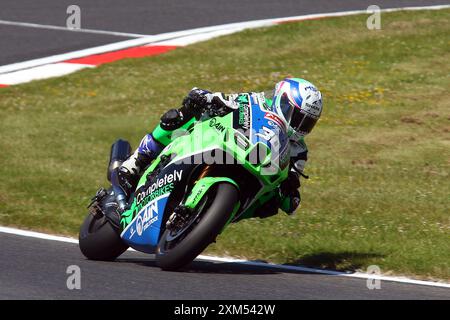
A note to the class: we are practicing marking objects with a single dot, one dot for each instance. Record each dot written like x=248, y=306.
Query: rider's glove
x=220, y=104
x=217, y=104
x=290, y=196
x=197, y=100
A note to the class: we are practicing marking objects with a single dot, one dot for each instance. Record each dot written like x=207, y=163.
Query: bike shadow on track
x=323, y=260
x=203, y=266
x=345, y=260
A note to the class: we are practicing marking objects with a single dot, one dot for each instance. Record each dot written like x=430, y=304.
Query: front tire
x=99, y=240
x=210, y=222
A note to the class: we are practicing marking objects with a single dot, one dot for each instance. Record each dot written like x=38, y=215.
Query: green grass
x=379, y=158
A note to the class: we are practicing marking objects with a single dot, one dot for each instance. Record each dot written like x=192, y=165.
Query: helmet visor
x=302, y=122
x=286, y=107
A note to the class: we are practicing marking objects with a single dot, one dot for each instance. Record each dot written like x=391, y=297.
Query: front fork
x=120, y=195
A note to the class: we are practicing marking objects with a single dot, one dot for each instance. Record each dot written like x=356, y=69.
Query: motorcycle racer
x=297, y=101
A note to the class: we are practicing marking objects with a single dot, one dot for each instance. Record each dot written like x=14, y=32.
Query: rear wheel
x=99, y=240
x=179, y=246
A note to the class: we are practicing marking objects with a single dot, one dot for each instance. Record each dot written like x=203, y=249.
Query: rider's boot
x=131, y=169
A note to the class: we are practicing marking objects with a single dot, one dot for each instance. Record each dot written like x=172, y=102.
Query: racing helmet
x=299, y=102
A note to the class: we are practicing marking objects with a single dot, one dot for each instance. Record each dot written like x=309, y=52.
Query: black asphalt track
x=36, y=269
x=18, y=43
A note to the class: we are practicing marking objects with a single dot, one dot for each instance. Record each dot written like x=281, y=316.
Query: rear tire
x=99, y=240
x=210, y=223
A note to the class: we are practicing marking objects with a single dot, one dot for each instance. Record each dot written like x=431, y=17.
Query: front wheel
x=99, y=240
x=179, y=247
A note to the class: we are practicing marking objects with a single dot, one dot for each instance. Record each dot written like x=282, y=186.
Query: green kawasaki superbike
x=217, y=171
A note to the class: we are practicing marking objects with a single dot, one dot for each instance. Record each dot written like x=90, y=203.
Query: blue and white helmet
x=299, y=102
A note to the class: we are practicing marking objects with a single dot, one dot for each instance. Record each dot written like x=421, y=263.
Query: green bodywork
x=196, y=137
x=201, y=187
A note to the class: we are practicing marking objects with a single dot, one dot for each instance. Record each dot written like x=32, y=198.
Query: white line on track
x=60, y=28
x=359, y=275
x=41, y=72
x=37, y=235
x=213, y=30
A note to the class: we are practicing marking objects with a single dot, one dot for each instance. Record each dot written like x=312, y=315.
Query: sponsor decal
x=311, y=88
x=159, y=187
x=243, y=98
x=261, y=100
x=275, y=118
x=147, y=216
x=139, y=225
x=213, y=123
x=197, y=195
x=244, y=116
x=313, y=107
x=132, y=232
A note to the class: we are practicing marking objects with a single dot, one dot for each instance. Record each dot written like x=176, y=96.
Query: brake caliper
x=94, y=207
x=178, y=218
